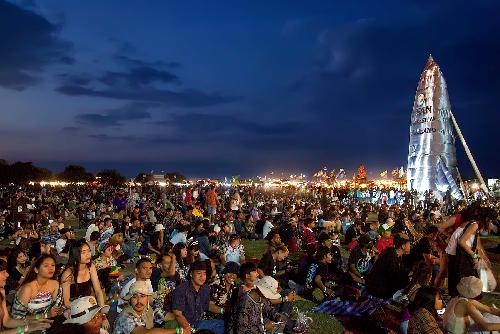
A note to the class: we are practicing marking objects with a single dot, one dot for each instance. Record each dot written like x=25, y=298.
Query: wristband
x=37, y=316
x=177, y=331
x=26, y=327
x=182, y=330
x=221, y=310
x=19, y=330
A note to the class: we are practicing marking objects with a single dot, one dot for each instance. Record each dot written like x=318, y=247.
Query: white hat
x=216, y=228
x=268, y=286
x=83, y=309
x=470, y=287
x=159, y=227
x=138, y=287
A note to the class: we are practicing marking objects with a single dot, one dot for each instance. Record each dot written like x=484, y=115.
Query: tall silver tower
x=432, y=161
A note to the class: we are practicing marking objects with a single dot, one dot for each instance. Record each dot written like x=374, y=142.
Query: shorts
x=211, y=210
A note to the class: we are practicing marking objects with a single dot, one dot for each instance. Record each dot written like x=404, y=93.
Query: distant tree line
x=24, y=172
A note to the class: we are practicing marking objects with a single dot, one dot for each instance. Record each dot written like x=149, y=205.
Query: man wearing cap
x=137, y=316
x=386, y=239
x=255, y=306
x=191, y=299
x=85, y=311
x=388, y=274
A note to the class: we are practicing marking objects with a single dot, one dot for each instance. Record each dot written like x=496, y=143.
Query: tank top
x=77, y=290
x=455, y=324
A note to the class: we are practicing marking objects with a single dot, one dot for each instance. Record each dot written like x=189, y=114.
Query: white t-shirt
x=451, y=248
x=60, y=243
x=266, y=228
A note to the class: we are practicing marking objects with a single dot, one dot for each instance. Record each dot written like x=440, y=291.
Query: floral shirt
x=234, y=254
x=127, y=322
x=248, y=316
x=161, y=299
x=220, y=296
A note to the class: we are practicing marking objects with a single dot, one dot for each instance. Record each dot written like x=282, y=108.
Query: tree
x=75, y=173
x=111, y=177
x=22, y=172
x=361, y=173
x=143, y=177
x=174, y=177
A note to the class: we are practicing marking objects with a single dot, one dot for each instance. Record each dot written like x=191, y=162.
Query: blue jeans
x=217, y=326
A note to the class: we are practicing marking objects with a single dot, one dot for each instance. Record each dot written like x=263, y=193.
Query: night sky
x=217, y=89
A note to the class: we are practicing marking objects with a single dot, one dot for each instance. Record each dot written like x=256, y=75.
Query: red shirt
x=382, y=244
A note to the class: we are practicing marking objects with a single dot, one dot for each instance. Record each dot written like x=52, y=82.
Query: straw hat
x=83, y=309
x=470, y=287
x=268, y=286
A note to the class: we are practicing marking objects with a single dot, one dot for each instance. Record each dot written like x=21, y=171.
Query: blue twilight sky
x=214, y=88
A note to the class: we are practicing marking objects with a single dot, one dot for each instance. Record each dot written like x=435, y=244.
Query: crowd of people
x=159, y=260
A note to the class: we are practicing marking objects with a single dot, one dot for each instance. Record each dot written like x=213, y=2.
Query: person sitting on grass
x=191, y=300
x=85, y=311
x=28, y=324
x=252, y=308
x=137, y=315
x=423, y=312
x=466, y=314
x=324, y=277
x=234, y=251
x=388, y=274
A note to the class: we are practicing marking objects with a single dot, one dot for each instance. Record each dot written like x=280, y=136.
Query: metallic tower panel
x=431, y=134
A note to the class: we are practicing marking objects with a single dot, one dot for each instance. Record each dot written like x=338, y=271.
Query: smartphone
x=18, y=224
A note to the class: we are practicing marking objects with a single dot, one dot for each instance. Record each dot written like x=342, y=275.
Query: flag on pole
x=384, y=173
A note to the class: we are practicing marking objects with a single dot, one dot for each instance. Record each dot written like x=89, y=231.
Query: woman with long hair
x=16, y=267
x=181, y=267
x=26, y=325
x=423, y=311
x=39, y=292
x=80, y=276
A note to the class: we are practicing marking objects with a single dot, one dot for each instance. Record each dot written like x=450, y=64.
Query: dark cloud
x=71, y=129
x=189, y=98
x=135, y=62
x=107, y=138
x=28, y=43
x=204, y=124
x=115, y=117
x=138, y=77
